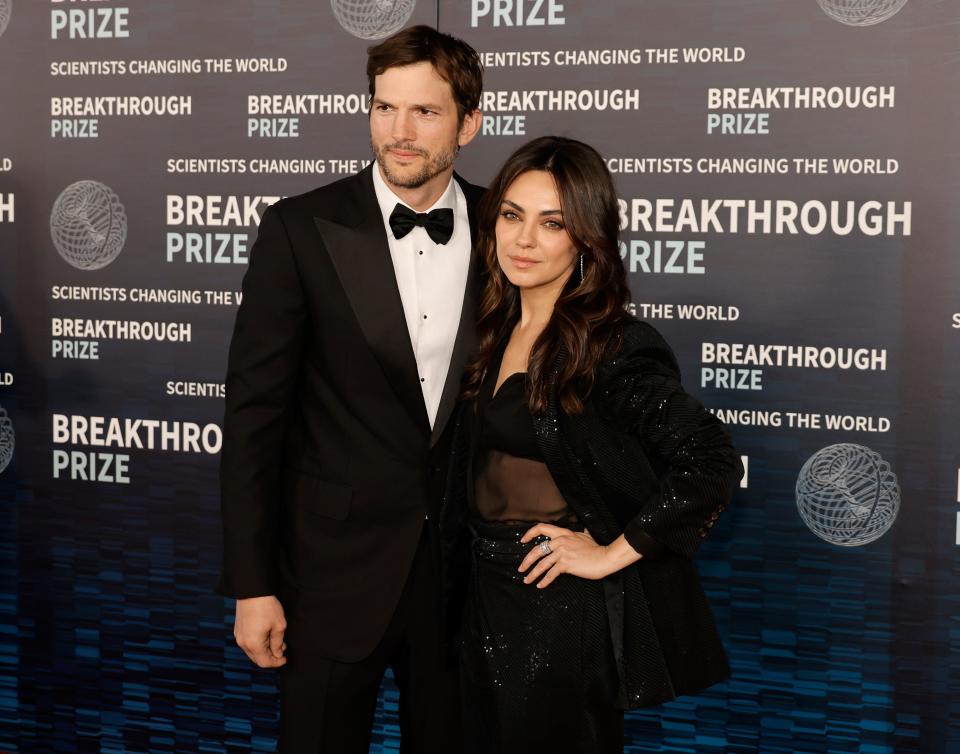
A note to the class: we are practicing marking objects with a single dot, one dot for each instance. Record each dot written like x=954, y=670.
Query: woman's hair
x=454, y=60
x=587, y=316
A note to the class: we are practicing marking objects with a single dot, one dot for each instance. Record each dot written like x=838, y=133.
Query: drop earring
x=581, y=267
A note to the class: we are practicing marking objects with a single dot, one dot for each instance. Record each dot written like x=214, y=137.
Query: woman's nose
x=527, y=237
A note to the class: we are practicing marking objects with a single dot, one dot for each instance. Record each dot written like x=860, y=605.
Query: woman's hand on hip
x=573, y=552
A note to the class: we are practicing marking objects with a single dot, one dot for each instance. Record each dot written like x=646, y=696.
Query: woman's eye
x=508, y=215
x=554, y=225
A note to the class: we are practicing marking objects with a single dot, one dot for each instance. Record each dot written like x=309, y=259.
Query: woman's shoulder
x=639, y=333
x=642, y=349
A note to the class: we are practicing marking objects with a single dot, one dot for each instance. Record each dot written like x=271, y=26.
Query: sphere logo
x=847, y=495
x=372, y=19
x=6, y=10
x=861, y=12
x=88, y=225
x=6, y=440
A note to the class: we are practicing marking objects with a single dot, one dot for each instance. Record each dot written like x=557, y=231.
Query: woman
x=584, y=478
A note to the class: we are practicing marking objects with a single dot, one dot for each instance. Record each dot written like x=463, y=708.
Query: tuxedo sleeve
x=690, y=450
x=264, y=359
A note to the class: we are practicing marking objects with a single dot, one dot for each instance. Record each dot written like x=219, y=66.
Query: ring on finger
x=544, y=547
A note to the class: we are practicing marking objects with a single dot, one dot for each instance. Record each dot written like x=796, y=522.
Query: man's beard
x=434, y=165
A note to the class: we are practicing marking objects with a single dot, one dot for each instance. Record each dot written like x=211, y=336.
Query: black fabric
x=505, y=420
x=438, y=222
x=643, y=454
x=512, y=483
x=537, y=666
x=328, y=706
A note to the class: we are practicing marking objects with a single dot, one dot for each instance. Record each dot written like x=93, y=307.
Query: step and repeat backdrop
x=788, y=173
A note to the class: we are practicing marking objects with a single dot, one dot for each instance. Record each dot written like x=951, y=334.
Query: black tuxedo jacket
x=329, y=465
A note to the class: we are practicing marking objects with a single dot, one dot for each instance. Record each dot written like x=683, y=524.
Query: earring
x=581, y=266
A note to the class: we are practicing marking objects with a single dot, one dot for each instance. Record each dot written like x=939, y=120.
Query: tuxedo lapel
x=466, y=332
x=357, y=244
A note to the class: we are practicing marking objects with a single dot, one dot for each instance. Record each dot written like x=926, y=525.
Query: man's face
x=413, y=124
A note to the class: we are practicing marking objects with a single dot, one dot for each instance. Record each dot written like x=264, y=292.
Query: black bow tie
x=438, y=223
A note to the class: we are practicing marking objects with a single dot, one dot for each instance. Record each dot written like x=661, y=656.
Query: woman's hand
x=573, y=552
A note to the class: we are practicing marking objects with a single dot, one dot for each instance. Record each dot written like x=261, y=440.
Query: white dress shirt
x=432, y=279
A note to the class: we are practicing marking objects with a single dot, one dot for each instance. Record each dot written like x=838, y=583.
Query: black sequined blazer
x=646, y=459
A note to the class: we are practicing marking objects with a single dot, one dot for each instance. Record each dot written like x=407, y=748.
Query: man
x=346, y=359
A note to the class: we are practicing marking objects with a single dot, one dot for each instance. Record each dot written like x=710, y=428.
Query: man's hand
x=259, y=629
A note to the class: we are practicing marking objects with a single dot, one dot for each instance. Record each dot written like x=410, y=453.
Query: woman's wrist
x=619, y=554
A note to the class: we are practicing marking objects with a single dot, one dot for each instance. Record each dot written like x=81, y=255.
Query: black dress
x=537, y=664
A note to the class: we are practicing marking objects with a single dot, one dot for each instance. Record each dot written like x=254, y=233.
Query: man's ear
x=470, y=127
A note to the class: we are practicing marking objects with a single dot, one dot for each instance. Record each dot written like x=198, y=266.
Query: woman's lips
x=523, y=262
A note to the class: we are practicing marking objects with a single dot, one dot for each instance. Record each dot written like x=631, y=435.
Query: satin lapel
x=359, y=250
x=466, y=340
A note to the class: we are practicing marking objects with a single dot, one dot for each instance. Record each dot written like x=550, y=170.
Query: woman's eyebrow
x=520, y=209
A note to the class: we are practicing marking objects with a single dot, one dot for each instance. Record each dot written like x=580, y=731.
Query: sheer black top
x=511, y=481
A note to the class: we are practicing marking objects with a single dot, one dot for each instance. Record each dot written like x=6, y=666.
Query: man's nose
x=403, y=129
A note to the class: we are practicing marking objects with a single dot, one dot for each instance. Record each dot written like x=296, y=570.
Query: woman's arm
x=689, y=448
x=573, y=552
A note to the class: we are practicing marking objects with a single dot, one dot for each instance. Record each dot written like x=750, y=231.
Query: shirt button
x=424, y=316
x=423, y=379
x=420, y=252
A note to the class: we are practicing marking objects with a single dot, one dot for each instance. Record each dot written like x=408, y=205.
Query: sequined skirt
x=537, y=664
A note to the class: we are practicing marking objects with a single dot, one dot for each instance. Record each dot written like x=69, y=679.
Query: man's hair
x=455, y=61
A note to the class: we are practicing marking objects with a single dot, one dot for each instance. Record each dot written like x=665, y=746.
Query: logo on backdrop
x=6, y=10
x=861, y=12
x=88, y=225
x=372, y=19
x=847, y=494
x=6, y=440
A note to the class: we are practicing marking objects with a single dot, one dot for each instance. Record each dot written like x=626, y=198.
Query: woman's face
x=533, y=247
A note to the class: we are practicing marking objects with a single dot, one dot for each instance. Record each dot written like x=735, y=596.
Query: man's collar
x=387, y=199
